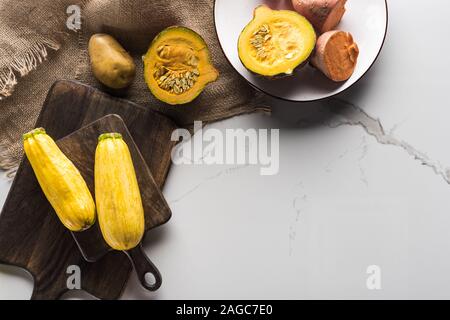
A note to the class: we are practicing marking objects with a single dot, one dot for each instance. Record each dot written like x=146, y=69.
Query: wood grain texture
x=31, y=235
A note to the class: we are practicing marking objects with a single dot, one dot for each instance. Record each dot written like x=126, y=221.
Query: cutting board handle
x=144, y=268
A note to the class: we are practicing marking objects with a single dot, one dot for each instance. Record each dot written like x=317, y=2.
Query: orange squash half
x=177, y=66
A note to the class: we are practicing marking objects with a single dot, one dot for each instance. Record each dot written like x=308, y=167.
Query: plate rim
x=311, y=100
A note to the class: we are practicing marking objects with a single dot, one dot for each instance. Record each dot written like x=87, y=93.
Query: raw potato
x=324, y=15
x=336, y=55
x=110, y=63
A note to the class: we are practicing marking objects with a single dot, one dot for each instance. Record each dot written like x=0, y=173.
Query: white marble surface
x=366, y=187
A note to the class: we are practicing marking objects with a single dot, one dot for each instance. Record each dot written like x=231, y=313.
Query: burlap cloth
x=32, y=31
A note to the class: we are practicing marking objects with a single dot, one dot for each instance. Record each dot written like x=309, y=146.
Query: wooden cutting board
x=80, y=148
x=31, y=235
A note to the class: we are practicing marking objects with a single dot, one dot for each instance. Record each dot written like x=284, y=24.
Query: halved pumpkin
x=276, y=42
x=177, y=66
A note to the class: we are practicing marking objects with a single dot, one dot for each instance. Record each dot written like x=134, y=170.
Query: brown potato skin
x=324, y=15
x=110, y=63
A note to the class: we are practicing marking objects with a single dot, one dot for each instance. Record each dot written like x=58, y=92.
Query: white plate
x=366, y=20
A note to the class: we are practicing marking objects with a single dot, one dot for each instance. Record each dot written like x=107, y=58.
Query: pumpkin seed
x=260, y=41
x=176, y=82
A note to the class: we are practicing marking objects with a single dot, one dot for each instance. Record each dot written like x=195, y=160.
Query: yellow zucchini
x=60, y=181
x=118, y=199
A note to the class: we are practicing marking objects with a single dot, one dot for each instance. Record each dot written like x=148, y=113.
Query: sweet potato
x=324, y=15
x=336, y=55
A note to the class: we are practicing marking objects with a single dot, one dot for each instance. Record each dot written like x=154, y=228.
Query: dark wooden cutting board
x=80, y=148
x=31, y=235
